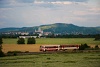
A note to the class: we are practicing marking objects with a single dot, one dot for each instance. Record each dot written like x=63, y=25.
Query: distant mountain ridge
x=61, y=28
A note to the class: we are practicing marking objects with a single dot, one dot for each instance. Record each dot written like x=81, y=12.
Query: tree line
x=29, y=41
x=55, y=35
x=73, y=36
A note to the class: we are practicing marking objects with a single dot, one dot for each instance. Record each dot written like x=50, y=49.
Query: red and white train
x=58, y=47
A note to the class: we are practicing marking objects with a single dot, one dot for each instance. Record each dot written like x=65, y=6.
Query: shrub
x=96, y=47
x=83, y=46
x=1, y=41
x=97, y=37
x=86, y=46
x=2, y=54
x=21, y=41
x=13, y=53
x=31, y=41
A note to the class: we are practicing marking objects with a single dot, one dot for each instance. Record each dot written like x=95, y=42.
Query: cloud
x=95, y=9
x=53, y=2
x=61, y=0
x=21, y=13
x=65, y=2
x=25, y=1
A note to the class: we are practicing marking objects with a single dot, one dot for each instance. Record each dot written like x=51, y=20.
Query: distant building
x=47, y=33
x=39, y=32
x=27, y=36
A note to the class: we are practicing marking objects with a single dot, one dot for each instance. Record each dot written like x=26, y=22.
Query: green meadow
x=52, y=60
x=56, y=41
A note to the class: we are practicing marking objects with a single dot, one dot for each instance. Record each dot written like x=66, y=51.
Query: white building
x=27, y=36
x=39, y=31
x=24, y=33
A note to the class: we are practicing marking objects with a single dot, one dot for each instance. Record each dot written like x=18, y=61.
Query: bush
x=2, y=54
x=1, y=41
x=21, y=41
x=13, y=53
x=31, y=41
x=97, y=37
x=83, y=46
x=96, y=47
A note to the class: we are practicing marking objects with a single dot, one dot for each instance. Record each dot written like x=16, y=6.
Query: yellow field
x=23, y=48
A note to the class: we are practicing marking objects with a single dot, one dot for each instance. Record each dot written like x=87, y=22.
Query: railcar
x=69, y=47
x=58, y=47
x=50, y=48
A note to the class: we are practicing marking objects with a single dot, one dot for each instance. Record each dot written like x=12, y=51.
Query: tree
x=1, y=53
x=21, y=41
x=97, y=37
x=1, y=41
x=83, y=46
x=96, y=47
x=31, y=41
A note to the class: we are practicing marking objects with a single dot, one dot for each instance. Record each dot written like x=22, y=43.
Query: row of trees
x=29, y=41
x=73, y=36
x=55, y=36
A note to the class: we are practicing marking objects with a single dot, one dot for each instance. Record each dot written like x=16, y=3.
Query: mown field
x=56, y=41
x=53, y=60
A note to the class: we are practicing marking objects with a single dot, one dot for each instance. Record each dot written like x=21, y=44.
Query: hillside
x=62, y=28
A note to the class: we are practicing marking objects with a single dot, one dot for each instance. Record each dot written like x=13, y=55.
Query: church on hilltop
x=39, y=32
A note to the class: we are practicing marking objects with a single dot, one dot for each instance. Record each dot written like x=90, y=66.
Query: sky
x=29, y=13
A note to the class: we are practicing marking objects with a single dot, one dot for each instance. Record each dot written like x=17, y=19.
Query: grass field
x=53, y=60
x=57, y=41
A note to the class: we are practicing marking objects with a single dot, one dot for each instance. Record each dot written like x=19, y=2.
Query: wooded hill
x=61, y=28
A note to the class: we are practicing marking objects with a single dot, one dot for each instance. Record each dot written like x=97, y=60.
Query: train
x=58, y=47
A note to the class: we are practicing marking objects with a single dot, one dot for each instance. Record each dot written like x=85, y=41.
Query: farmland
x=53, y=60
x=10, y=44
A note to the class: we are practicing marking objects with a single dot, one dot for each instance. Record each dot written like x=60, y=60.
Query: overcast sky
x=28, y=13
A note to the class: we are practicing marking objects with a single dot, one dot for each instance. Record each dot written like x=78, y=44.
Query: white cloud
x=53, y=2
x=39, y=2
x=64, y=2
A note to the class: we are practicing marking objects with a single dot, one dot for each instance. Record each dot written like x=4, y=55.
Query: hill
x=70, y=28
x=61, y=28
